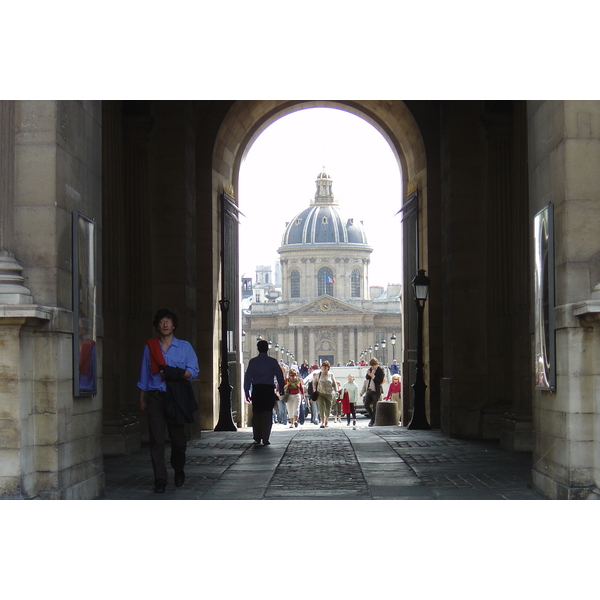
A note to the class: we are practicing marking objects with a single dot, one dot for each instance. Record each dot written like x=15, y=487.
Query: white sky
x=277, y=181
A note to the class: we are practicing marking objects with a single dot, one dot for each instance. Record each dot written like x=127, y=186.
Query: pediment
x=326, y=305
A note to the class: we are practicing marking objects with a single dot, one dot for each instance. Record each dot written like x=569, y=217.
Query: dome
x=323, y=224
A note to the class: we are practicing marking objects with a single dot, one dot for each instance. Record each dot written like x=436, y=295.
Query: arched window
x=355, y=283
x=325, y=281
x=295, y=284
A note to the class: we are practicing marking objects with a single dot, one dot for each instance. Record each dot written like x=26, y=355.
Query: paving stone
x=337, y=463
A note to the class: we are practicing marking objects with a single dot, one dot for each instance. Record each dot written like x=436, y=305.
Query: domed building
x=326, y=310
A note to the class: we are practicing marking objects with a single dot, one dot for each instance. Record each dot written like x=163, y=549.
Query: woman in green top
x=324, y=382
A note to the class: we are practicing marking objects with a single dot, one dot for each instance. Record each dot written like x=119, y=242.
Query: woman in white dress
x=295, y=392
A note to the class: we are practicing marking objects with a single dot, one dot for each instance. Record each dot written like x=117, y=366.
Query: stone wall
x=564, y=150
x=51, y=446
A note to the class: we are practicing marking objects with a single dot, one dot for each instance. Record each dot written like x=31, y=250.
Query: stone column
x=12, y=290
x=463, y=276
x=16, y=465
x=516, y=430
x=362, y=342
x=305, y=344
x=139, y=248
x=499, y=267
x=346, y=353
x=17, y=414
x=312, y=345
x=508, y=280
x=296, y=347
x=121, y=428
x=340, y=356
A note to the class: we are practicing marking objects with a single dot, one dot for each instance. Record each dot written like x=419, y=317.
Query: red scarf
x=156, y=356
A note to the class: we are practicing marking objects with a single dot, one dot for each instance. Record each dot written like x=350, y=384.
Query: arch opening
x=398, y=128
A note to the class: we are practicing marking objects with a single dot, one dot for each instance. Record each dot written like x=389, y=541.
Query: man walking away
x=259, y=388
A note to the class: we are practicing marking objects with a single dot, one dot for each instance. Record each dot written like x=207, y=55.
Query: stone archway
x=246, y=120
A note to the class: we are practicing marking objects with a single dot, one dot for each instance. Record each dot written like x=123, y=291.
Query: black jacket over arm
x=181, y=402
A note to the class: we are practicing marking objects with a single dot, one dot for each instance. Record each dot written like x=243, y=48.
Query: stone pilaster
x=20, y=426
x=499, y=270
x=339, y=351
x=12, y=290
x=305, y=344
x=11, y=459
x=516, y=428
x=139, y=248
x=121, y=428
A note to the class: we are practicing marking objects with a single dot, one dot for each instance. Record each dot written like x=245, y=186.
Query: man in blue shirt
x=262, y=372
x=165, y=359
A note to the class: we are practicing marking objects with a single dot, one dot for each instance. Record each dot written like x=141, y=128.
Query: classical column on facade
x=296, y=347
x=305, y=344
x=340, y=352
x=121, y=428
x=360, y=333
x=283, y=343
x=12, y=290
x=312, y=345
x=346, y=354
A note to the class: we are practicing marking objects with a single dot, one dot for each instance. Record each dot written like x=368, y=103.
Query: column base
x=516, y=433
x=491, y=421
x=121, y=436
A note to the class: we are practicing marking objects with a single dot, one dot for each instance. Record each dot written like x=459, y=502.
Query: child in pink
x=394, y=393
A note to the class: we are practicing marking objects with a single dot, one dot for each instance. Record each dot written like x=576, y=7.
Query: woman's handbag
x=301, y=412
x=315, y=394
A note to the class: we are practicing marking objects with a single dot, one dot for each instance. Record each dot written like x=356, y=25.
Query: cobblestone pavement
x=308, y=462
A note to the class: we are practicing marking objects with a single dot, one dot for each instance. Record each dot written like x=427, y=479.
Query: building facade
x=110, y=210
x=326, y=311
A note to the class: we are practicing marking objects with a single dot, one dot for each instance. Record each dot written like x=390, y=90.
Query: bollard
x=386, y=413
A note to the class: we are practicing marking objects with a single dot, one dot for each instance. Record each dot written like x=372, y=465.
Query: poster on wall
x=545, y=349
x=84, y=306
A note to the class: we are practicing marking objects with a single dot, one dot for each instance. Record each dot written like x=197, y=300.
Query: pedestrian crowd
x=279, y=393
x=312, y=393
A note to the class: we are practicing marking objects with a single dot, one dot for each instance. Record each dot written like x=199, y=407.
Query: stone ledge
x=588, y=312
x=37, y=316
x=26, y=311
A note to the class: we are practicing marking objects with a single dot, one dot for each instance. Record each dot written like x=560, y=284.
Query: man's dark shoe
x=179, y=478
x=266, y=442
x=159, y=488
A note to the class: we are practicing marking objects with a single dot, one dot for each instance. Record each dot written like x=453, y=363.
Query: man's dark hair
x=263, y=346
x=161, y=314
